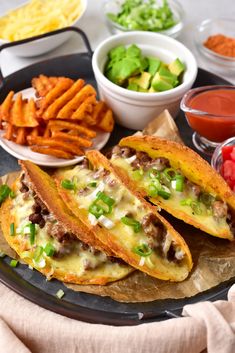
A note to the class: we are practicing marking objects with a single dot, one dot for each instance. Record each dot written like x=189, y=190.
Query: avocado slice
x=143, y=81
x=160, y=84
x=166, y=75
x=133, y=86
x=133, y=51
x=176, y=67
x=117, y=53
x=154, y=65
x=121, y=70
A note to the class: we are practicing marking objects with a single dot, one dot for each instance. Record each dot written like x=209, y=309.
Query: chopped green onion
x=4, y=192
x=186, y=202
x=14, y=263
x=169, y=173
x=154, y=174
x=206, y=198
x=178, y=183
x=102, y=205
x=96, y=210
x=12, y=229
x=12, y=194
x=137, y=174
x=93, y=184
x=38, y=253
x=152, y=190
x=60, y=294
x=32, y=232
x=164, y=193
x=142, y=250
x=49, y=250
x=68, y=184
x=195, y=205
x=2, y=254
x=132, y=223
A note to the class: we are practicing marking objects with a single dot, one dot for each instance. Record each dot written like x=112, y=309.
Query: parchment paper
x=213, y=258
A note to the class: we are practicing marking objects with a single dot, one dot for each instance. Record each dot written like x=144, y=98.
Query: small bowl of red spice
x=215, y=39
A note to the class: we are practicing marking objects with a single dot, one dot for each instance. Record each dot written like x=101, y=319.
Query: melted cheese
x=174, y=201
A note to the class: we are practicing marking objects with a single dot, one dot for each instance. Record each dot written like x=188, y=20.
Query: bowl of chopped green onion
x=162, y=16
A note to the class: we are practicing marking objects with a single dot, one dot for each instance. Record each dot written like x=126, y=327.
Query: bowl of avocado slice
x=139, y=74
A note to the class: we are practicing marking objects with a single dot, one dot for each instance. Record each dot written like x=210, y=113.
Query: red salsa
x=220, y=103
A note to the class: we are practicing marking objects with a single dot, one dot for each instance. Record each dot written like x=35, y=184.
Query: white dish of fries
x=54, y=122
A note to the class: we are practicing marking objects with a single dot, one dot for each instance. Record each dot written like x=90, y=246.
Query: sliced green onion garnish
x=132, y=223
x=49, y=250
x=169, y=173
x=2, y=254
x=60, y=294
x=14, y=263
x=206, y=198
x=96, y=210
x=4, y=192
x=154, y=174
x=102, y=205
x=195, y=205
x=178, y=183
x=38, y=253
x=93, y=184
x=137, y=174
x=67, y=184
x=142, y=250
x=32, y=232
x=12, y=229
x=152, y=190
x=12, y=194
x=186, y=202
x=164, y=193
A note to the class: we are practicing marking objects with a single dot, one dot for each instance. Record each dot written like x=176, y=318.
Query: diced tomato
x=229, y=170
x=226, y=152
x=232, y=154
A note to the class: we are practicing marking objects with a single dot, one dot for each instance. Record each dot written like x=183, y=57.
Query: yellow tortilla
x=121, y=238
x=70, y=267
x=193, y=167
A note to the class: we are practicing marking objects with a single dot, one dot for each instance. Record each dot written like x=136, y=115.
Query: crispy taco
x=179, y=181
x=44, y=233
x=122, y=220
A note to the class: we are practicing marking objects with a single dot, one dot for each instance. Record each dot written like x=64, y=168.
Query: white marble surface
x=94, y=26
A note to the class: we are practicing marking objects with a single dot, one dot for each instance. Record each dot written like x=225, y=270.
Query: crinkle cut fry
x=69, y=138
x=52, y=111
x=73, y=105
x=72, y=148
x=85, y=110
x=6, y=106
x=56, y=125
x=52, y=152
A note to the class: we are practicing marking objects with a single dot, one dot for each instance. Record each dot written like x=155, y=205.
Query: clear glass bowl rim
x=194, y=92
x=216, y=158
x=170, y=31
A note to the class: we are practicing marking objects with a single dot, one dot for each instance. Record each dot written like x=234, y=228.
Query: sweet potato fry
x=107, y=122
x=21, y=136
x=44, y=84
x=71, y=106
x=34, y=132
x=56, y=125
x=54, y=142
x=54, y=108
x=9, y=132
x=55, y=93
x=84, y=109
x=98, y=108
x=17, y=110
x=69, y=138
x=52, y=152
x=6, y=107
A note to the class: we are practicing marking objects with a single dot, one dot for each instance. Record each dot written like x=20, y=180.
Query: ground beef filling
x=67, y=241
x=218, y=208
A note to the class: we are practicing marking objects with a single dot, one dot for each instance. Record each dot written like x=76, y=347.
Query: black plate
x=86, y=307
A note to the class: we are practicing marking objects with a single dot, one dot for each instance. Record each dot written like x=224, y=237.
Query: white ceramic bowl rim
x=139, y=95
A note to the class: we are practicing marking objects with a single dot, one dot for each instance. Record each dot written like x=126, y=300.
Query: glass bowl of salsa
x=210, y=112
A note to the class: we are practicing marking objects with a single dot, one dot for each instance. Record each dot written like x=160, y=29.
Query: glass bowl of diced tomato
x=223, y=161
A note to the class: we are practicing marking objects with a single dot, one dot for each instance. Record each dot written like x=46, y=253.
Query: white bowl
x=44, y=45
x=135, y=109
